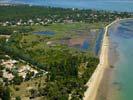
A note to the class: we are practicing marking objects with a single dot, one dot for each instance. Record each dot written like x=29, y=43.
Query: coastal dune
x=94, y=82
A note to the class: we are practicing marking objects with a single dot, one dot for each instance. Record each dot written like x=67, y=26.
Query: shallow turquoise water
x=118, y=5
x=124, y=66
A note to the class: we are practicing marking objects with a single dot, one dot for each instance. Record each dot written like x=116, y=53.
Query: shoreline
x=106, y=87
x=98, y=84
x=101, y=70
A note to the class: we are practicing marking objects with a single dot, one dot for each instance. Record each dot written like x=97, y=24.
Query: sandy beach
x=101, y=70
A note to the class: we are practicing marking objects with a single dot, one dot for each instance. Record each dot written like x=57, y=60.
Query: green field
x=63, y=31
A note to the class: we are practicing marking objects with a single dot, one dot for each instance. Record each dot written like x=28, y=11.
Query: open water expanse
x=122, y=34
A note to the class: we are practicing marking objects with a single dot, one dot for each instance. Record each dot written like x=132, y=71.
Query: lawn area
x=23, y=89
x=63, y=29
x=68, y=33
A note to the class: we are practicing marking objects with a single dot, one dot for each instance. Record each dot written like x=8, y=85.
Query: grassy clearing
x=67, y=30
x=23, y=90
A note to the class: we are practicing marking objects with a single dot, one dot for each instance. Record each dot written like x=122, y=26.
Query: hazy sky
x=66, y=0
x=113, y=5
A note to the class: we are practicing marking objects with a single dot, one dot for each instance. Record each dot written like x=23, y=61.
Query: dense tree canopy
x=15, y=13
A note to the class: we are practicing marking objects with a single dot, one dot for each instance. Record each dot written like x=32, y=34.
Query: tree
x=29, y=75
x=6, y=94
x=17, y=80
x=33, y=93
x=18, y=98
x=1, y=89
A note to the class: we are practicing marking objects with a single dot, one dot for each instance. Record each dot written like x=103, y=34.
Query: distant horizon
x=109, y=5
x=9, y=1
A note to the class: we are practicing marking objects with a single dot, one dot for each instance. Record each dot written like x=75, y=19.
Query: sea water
x=122, y=34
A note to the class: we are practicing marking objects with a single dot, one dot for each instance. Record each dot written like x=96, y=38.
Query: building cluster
x=10, y=68
x=58, y=18
x=37, y=21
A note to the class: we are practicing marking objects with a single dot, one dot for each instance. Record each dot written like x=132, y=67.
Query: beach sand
x=105, y=90
x=98, y=83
